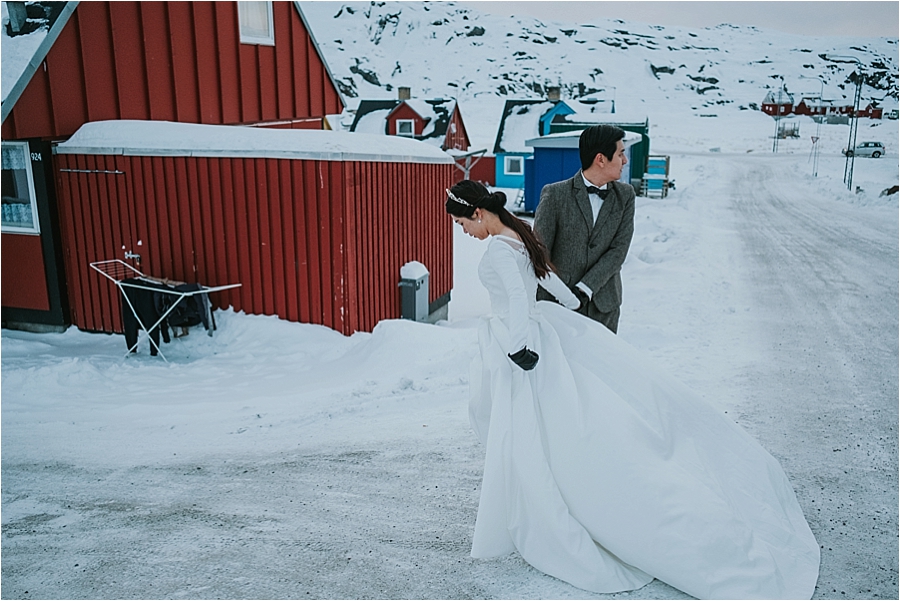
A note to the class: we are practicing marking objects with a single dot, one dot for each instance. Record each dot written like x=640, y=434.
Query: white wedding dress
x=605, y=472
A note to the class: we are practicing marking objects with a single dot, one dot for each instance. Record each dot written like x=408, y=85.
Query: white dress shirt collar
x=596, y=201
x=588, y=184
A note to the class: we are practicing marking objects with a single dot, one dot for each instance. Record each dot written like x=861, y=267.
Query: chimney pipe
x=17, y=16
x=553, y=94
x=403, y=93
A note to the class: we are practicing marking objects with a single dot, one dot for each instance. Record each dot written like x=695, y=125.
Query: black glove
x=526, y=359
x=580, y=295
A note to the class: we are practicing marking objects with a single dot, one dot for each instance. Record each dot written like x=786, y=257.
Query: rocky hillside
x=442, y=49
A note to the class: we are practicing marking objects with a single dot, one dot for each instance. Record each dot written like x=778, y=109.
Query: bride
x=600, y=469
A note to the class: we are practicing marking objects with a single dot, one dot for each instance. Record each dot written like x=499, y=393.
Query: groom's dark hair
x=598, y=139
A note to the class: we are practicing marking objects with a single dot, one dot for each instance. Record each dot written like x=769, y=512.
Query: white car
x=866, y=149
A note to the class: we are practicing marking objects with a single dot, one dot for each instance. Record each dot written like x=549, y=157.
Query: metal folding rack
x=117, y=271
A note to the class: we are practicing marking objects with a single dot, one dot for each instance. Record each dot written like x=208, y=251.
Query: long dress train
x=604, y=471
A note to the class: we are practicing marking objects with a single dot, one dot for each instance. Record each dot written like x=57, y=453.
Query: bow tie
x=601, y=193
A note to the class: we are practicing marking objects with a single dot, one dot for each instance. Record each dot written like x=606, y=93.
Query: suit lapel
x=606, y=209
x=583, y=202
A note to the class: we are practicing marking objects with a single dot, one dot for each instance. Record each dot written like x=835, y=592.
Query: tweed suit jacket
x=581, y=250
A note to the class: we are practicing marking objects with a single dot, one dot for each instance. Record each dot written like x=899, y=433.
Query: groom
x=587, y=223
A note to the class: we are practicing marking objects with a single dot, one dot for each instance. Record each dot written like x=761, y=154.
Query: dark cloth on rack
x=146, y=304
x=189, y=310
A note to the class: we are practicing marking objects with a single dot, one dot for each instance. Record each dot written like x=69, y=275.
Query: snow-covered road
x=824, y=276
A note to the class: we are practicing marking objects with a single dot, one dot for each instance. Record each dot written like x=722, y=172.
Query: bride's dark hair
x=479, y=197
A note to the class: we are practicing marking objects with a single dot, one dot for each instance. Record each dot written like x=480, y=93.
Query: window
x=19, y=205
x=513, y=166
x=406, y=127
x=256, y=23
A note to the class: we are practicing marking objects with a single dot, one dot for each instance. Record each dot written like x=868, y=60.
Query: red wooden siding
x=456, y=133
x=395, y=214
x=312, y=241
x=24, y=276
x=483, y=171
x=173, y=61
x=403, y=111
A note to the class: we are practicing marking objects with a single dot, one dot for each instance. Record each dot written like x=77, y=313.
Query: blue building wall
x=548, y=165
x=551, y=165
x=504, y=180
x=546, y=121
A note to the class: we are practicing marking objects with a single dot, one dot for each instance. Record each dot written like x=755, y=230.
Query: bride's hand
x=526, y=358
x=582, y=298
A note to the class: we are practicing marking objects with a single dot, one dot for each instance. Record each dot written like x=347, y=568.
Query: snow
x=17, y=52
x=150, y=138
x=413, y=271
x=373, y=122
x=284, y=460
x=569, y=139
x=361, y=429
x=617, y=118
x=646, y=69
x=520, y=125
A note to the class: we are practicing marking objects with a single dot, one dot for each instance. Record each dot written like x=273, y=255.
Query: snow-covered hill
x=440, y=49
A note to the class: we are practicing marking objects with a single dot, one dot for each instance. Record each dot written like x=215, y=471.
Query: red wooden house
x=285, y=226
x=811, y=107
x=778, y=105
x=871, y=111
x=437, y=121
x=783, y=106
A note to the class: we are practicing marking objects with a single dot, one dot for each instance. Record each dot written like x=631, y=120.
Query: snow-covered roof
x=598, y=117
x=372, y=115
x=600, y=106
x=521, y=121
x=436, y=114
x=23, y=54
x=569, y=139
x=780, y=97
x=165, y=138
x=372, y=122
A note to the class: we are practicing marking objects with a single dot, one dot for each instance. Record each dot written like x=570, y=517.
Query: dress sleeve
x=555, y=286
x=503, y=260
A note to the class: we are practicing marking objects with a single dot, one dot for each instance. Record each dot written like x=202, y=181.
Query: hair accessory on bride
x=456, y=198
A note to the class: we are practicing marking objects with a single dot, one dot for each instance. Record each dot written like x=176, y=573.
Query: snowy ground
x=282, y=460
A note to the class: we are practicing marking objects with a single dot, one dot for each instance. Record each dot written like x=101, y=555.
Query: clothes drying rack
x=117, y=271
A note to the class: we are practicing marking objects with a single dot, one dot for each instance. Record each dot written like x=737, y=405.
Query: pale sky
x=866, y=19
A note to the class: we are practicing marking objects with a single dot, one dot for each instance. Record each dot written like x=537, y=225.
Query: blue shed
x=556, y=158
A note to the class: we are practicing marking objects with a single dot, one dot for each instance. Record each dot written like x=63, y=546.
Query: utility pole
x=854, y=127
x=777, y=116
x=854, y=119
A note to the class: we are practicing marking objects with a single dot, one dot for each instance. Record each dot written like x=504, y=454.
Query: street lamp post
x=818, y=125
x=854, y=121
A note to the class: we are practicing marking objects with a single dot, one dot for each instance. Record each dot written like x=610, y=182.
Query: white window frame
x=412, y=127
x=35, y=228
x=507, y=162
x=253, y=38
